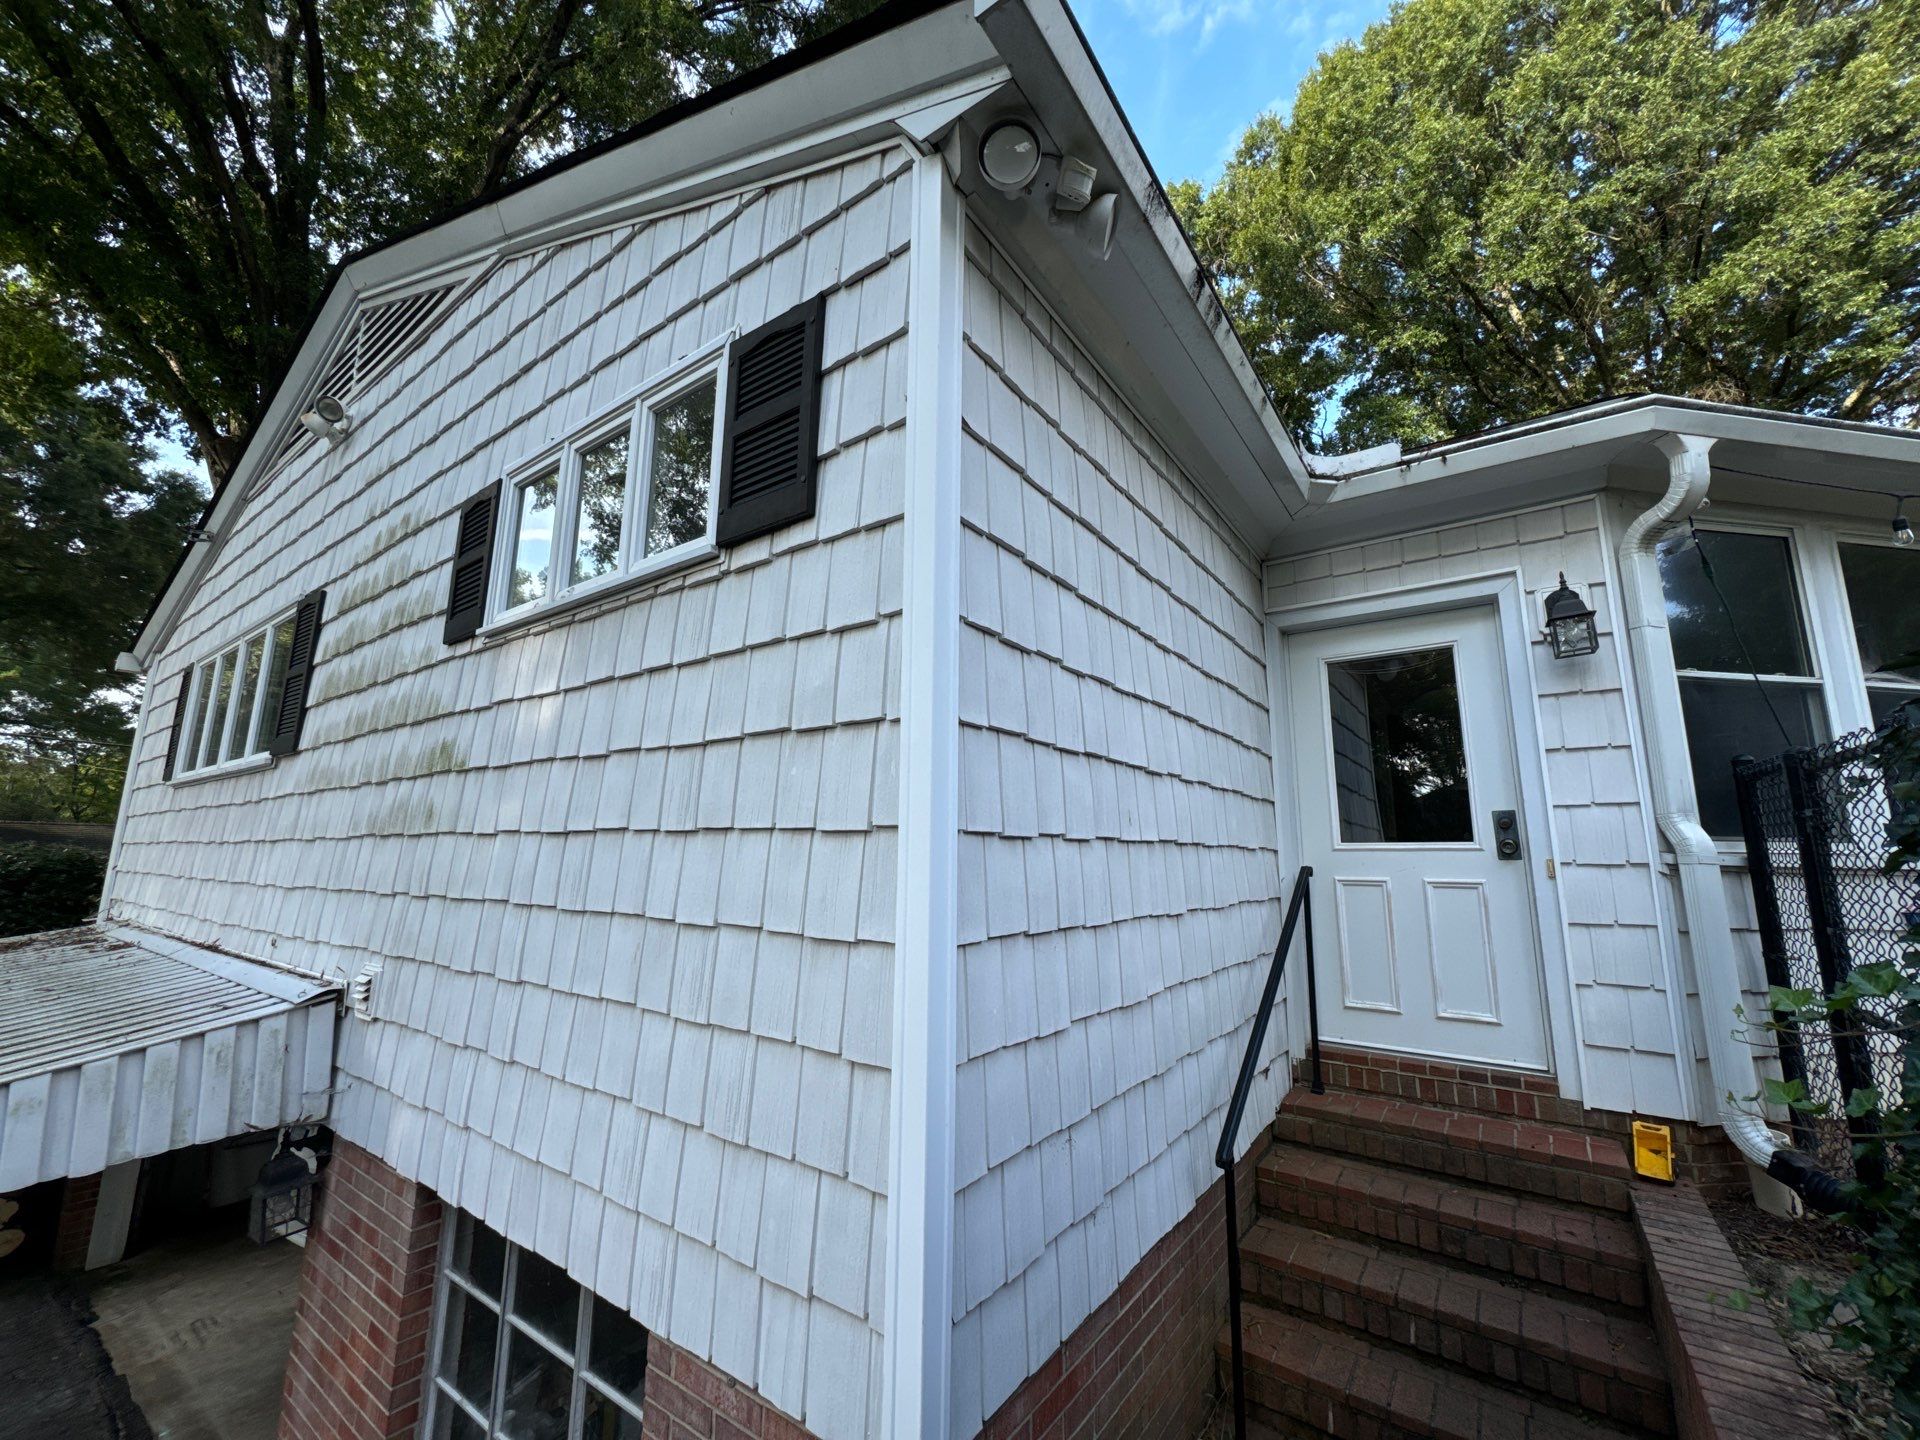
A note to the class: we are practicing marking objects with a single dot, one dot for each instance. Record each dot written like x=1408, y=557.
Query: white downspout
x=1703, y=893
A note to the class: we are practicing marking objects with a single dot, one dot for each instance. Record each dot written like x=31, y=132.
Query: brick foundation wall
x=1702, y=1153
x=74, y=1232
x=360, y=1330
x=1142, y=1365
x=1732, y=1374
x=688, y=1398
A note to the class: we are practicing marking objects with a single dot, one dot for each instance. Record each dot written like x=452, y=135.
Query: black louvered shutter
x=472, y=564
x=284, y=738
x=773, y=404
x=179, y=722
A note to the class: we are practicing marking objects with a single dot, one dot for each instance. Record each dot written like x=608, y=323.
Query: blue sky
x=1192, y=73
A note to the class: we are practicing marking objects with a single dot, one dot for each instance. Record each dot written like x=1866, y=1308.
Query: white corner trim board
x=918, y=1334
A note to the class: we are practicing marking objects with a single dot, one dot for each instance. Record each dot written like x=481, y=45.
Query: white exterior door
x=1423, y=916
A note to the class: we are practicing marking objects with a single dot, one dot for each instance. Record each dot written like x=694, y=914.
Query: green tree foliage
x=1493, y=209
x=48, y=887
x=87, y=532
x=185, y=173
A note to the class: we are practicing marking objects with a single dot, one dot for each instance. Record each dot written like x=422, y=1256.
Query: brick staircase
x=1444, y=1274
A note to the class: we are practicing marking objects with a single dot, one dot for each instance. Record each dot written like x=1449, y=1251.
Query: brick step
x=1566, y=1165
x=1512, y=1094
x=1554, y=1346
x=1571, y=1247
x=1304, y=1378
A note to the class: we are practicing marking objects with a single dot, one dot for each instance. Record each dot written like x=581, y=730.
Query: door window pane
x=1727, y=718
x=469, y=1336
x=280, y=646
x=1399, y=751
x=680, y=470
x=546, y=1299
x=538, y=1396
x=532, y=539
x=1753, y=575
x=602, y=507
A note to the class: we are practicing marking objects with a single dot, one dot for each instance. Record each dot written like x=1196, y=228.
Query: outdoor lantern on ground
x=1570, y=629
x=281, y=1206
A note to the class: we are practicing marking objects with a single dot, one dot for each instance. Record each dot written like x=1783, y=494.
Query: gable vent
x=378, y=338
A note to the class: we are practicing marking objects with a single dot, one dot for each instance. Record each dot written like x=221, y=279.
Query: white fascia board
x=1183, y=327
x=836, y=105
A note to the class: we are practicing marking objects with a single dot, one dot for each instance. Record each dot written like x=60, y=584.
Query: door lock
x=1506, y=834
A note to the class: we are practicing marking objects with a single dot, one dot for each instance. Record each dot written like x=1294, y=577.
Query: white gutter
x=1703, y=893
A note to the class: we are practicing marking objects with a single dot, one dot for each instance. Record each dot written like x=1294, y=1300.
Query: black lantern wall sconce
x=1570, y=628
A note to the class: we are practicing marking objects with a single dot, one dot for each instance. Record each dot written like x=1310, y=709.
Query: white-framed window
x=1825, y=616
x=628, y=495
x=522, y=1352
x=231, y=699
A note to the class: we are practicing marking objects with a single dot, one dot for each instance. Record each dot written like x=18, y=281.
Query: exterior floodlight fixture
x=1010, y=156
x=1094, y=224
x=328, y=419
x=1074, y=188
x=1570, y=628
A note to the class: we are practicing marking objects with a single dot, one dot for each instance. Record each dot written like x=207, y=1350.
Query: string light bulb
x=1902, y=527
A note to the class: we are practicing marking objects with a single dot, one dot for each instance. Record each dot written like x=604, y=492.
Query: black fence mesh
x=1818, y=823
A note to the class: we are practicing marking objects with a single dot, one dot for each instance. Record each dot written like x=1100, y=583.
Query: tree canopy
x=183, y=174
x=88, y=528
x=1493, y=209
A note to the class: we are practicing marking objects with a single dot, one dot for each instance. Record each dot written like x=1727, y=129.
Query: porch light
x=1570, y=629
x=281, y=1203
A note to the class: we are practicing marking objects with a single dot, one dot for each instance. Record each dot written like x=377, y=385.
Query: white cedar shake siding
x=1624, y=1013
x=1117, y=866
x=630, y=871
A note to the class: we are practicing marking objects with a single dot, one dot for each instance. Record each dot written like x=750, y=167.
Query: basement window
x=232, y=698
x=522, y=1352
x=630, y=494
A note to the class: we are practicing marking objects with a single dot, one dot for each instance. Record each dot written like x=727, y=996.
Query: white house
x=786, y=669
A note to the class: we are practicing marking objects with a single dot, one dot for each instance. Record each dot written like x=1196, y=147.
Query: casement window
x=522, y=1352
x=1826, y=622
x=248, y=701
x=717, y=451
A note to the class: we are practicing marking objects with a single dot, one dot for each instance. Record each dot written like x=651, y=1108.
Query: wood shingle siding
x=1118, y=882
x=630, y=870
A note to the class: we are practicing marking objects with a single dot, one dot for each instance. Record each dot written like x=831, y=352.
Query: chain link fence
x=1817, y=825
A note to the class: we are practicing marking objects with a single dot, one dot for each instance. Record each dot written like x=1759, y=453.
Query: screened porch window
x=522, y=1352
x=1748, y=685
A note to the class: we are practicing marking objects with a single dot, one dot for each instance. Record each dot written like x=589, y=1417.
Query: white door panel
x=1404, y=752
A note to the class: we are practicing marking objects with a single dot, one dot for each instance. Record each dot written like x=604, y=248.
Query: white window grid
x=633, y=414
x=240, y=741
x=508, y=1326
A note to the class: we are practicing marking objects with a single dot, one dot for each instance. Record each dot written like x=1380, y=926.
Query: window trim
x=445, y=1282
x=633, y=411
x=197, y=672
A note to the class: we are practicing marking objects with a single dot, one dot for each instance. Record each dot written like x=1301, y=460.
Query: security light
x=328, y=419
x=1010, y=156
x=1094, y=225
x=1074, y=188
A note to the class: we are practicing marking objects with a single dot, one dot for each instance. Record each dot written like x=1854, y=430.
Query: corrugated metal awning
x=118, y=1043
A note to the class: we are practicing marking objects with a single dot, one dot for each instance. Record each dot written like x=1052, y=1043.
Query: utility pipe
x=1703, y=894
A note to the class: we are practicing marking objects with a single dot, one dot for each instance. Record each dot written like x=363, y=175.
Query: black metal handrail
x=1298, y=907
